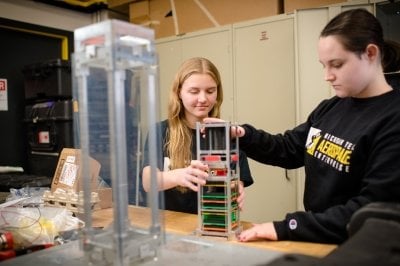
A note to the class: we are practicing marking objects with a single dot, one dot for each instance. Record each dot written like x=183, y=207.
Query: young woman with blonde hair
x=196, y=93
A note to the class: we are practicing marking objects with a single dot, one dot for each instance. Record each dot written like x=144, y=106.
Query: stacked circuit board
x=218, y=210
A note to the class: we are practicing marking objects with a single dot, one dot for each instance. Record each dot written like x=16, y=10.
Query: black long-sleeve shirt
x=176, y=200
x=350, y=149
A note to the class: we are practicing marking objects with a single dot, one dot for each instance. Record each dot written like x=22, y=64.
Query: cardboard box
x=68, y=176
x=105, y=195
x=211, y=13
x=291, y=5
x=118, y=3
x=155, y=14
x=139, y=12
x=189, y=15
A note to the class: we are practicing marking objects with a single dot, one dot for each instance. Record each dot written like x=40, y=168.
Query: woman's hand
x=259, y=231
x=191, y=176
x=236, y=131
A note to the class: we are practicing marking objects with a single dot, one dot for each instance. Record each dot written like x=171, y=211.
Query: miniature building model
x=218, y=211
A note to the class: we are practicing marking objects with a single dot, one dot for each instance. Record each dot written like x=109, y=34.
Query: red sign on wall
x=3, y=84
x=3, y=95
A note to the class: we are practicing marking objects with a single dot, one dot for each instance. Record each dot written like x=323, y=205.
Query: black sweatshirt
x=350, y=150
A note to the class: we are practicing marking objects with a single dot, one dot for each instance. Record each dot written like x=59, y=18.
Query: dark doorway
x=388, y=13
x=23, y=44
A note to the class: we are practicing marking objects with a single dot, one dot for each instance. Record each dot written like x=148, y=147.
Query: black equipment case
x=49, y=127
x=48, y=80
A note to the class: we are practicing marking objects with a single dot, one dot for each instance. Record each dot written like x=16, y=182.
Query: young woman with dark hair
x=349, y=145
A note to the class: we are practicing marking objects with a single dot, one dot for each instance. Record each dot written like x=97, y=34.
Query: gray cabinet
x=264, y=76
x=256, y=61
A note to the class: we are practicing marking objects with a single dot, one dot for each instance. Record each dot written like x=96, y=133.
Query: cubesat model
x=218, y=210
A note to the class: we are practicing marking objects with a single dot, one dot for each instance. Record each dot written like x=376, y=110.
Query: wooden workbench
x=186, y=224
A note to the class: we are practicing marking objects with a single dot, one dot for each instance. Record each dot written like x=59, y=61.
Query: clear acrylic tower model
x=116, y=86
x=218, y=211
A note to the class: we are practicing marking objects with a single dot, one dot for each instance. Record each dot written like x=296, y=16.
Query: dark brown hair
x=356, y=29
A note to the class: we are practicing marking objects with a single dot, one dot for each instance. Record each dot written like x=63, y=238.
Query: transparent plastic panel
x=116, y=87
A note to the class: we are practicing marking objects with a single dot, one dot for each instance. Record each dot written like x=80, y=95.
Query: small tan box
x=68, y=176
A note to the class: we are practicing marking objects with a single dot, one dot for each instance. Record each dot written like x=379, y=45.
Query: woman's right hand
x=236, y=131
x=192, y=176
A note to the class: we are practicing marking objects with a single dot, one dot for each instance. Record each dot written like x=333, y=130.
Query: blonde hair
x=179, y=135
